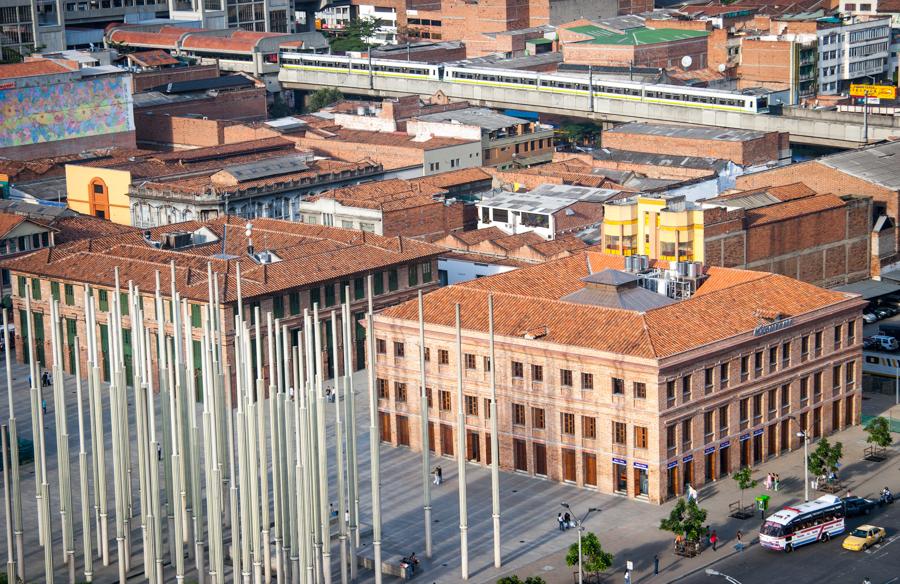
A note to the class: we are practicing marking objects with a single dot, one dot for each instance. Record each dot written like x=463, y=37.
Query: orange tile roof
x=529, y=299
x=476, y=236
x=32, y=69
x=795, y=208
x=166, y=37
x=511, y=242
x=85, y=226
x=386, y=195
x=558, y=245
x=154, y=58
x=311, y=254
x=455, y=177
x=786, y=192
x=9, y=221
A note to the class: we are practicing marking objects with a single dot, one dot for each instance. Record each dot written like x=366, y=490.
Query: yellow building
x=661, y=228
x=99, y=192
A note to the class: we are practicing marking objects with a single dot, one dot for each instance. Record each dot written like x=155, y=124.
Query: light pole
x=579, y=525
x=805, y=436
x=711, y=572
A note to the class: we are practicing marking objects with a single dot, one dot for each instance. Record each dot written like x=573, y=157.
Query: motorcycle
x=886, y=498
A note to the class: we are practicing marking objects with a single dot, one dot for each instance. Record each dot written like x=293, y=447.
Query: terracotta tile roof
x=311, y=254
x=32, y=69
x=386, y=195
x=483, y=258
x=85, y=226
x=511, y=242
x=528, y=299
x=558, y=245
x=154, y=58
x=455, y=177
x=166, y=37
x=787, y=192
x=795, y=208
x=9, y=221
x=476, y=236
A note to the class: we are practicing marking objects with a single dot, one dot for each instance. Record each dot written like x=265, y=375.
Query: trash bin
x=762, y=503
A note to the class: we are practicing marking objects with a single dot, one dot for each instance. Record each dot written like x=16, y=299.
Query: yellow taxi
x=863, y=537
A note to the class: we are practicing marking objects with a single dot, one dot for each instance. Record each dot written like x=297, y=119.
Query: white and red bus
x=797, y=525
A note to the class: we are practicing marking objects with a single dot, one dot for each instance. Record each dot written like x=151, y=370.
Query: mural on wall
x=61, y=111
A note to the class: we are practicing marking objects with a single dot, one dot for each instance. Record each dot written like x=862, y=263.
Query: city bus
x=797, y=525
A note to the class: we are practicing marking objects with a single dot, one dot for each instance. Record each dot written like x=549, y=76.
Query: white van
x=885, y=343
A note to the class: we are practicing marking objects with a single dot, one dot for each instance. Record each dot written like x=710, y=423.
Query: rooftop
x=34, y=68
x=547, y=198
x=636, y=36
x=154, y=58
x=616, y=289
x=688, y=132
x=879, y=164
x=385, y=195
x=727, y=305
x=311, y=254
x=666, y=160
x=484, y=118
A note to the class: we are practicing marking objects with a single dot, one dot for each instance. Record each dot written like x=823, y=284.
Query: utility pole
x=495, y=439
x=423, y=416
x=461, y=453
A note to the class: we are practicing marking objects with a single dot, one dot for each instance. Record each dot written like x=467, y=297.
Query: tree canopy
x=879, y=432
x=323, y=97
x=357, y=35
x=686, y=518
x=826, y=457
x=516, y=580
x=744, y=481
x=594, y=559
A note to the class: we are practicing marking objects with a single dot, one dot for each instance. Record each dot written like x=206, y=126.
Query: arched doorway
x=98, y=195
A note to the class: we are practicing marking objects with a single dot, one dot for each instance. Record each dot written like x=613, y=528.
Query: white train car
x=359, y=66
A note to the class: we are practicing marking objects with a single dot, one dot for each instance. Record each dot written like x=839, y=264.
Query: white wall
x=463, y=271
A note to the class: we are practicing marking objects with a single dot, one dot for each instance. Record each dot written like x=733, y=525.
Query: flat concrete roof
x=692, y=132
x=879, y=164
x=484, y=118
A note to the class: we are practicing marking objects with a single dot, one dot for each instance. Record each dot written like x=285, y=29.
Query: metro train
x=745, y=102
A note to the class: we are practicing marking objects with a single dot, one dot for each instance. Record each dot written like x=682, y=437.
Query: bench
x=738, y=512
x=391, y=562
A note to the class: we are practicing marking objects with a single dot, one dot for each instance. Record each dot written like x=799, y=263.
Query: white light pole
x=805, y=436
x=711, y=572
x=579, y=525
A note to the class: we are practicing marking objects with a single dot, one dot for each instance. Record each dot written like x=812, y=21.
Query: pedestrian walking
x=440, y=475
x=776, y=482
x=866, y=580
x=740, y=541
x=44, y=405
x=434, y=476
x=627, y=576
x=655, y=564
x=158, y=452
x=768, y=481
x=567, y=519
x=559, y=519
x=714, y=539
x=706, y=535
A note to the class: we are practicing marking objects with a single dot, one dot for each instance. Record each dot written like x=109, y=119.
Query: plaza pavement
x=531, y=541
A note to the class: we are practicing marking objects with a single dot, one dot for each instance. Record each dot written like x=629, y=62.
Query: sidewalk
x=639, y=538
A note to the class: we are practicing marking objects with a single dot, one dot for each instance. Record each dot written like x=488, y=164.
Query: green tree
x=744, y=481
x=581, y=133
x=324, y=97
x=356, y=36
x=517, y=580
x=686, y=518
x=879, y=432
x=825, y=458
x=593, y=557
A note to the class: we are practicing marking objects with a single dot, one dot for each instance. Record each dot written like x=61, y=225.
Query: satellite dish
x=721, y=67
x=686, y=61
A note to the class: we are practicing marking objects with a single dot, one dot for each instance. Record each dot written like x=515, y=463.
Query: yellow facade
x=648, y=226
x=99, y=192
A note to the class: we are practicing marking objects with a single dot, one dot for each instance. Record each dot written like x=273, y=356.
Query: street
x=819, y=562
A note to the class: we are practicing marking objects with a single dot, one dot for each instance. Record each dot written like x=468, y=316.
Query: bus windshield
x=772, y=529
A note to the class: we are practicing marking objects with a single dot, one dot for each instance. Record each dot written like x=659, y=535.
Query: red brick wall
x=716, y=49
x=765, y=62
x=635, y=6
x=753, y=151
x=241, y=104
x=429, y=220
x=390, y=157
x=148, y=79
x=178, y=131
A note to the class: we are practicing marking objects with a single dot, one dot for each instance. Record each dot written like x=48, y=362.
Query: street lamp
x=805, y=436
x=579, y=524
x=711, y=572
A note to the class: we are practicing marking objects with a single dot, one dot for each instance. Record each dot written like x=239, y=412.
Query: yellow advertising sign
x=879, y=91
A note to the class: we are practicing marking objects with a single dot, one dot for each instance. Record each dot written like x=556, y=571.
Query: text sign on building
x=879, y=91
x=765, y=329
x=620, y=461
x=641, y=466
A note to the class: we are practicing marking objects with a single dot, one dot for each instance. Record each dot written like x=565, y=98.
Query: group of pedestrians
x=712, y=539
x=565, y=521
x=772, y=482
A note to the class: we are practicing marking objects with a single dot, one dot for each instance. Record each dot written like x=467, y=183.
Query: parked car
x=869, y=317
x=884, y=343
x=854, y=506
x=882, y=312
x=868, y=343
x=864, y=537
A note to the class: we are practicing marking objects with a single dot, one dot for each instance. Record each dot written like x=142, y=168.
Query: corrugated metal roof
x=869, y=289
x=879, y=164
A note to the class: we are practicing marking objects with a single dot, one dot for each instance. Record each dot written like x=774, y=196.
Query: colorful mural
x=89, y=106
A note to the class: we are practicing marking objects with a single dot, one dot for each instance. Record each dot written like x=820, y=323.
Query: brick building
x=585, y=43
x=608, y=385
x=744, y=147
x=870, y=171
x=285, y=268
x=390, y=207
x=790, y=230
